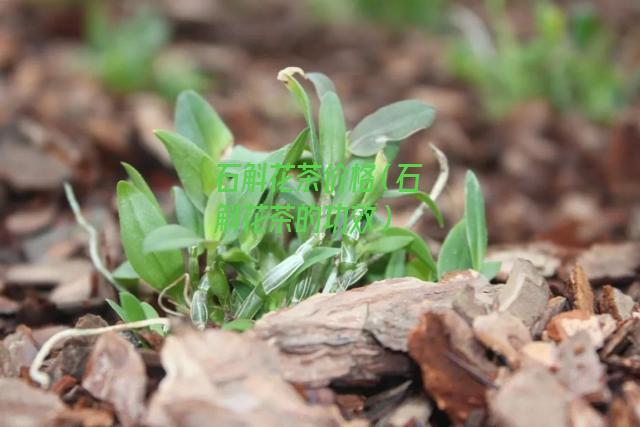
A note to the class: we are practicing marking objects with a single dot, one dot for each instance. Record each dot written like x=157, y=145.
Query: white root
x=43, y=379
x=94, y=251
x=162, y=294
x=436, y=190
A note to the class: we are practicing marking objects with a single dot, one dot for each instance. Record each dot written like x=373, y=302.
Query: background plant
x=567, y=61
x=231, y=275
x=126, y=54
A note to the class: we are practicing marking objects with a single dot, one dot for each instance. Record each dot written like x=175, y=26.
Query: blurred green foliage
x=430, y=14
x=396, y=14
x=567, y=61
x=126, y=54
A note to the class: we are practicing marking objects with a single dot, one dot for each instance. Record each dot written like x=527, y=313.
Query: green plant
x=131, y=309
x=567, y=61
x=229, y=275
x=465, y=246
x=127, y=54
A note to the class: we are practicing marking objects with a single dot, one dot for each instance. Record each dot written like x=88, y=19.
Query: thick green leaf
x=197, y=121
x=396, y=265
x=322, y=83
x=151, y=313
x=304, y=103
x=416, y=268
x=394, y=122
x=170, y=237
x=237, y=255
x=276, y=277
x=131, y=306
x=417, y=247
x=125, y=272
x=420, y=195
x=186, y=213
x=333, y=131
x=454, y=253
x=317, y=255
x=138, y=181
x=139, y=217
x=119, y=310
x=344, y=196
x=192, y=165
x=386, y=244
x=379, y=180
x=476, y=223
x=214, y=220
x=250, y=306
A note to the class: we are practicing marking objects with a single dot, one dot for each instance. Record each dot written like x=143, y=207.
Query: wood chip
x=21, y=349
x=555, y=306
x=355, y=337
x=540, y=353
x=567, y=324
x=616, y=303
x=477, y=296
x=503, y=333
x=48, y=273
x=579, y=368
x=453, y=369
x=525, y=294
x=531, y=397
x=28, y=168
x=72, y=358
x=151, y=112
x=29, y=221
x=26, y=406
x=74, y=293
x=623, y=338
x=546, y=257
x=581, y=414
x=580, y=292
x=234, y=379
x=115, y=373
x=612, y=263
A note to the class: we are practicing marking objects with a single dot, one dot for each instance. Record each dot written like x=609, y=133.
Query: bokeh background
x=539, y=98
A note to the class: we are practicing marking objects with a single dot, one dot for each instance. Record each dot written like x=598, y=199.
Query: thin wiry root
x=43, y=379
x=438, y=186
x=94, y=251
x=163, y=293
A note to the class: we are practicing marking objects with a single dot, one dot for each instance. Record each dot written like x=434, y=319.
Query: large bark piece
x=355, y=337
x=454, y=370
x=228, y=379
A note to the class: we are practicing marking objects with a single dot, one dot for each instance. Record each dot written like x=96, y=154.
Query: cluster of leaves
x=567, y=61
x=222, y=275
x=127, y=54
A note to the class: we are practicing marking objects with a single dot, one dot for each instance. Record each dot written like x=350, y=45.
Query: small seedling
x=465, y=246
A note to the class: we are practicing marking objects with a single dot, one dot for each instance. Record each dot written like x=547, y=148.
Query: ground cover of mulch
x=555, y=341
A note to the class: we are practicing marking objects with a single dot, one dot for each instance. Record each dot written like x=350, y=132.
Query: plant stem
x=437, y=188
